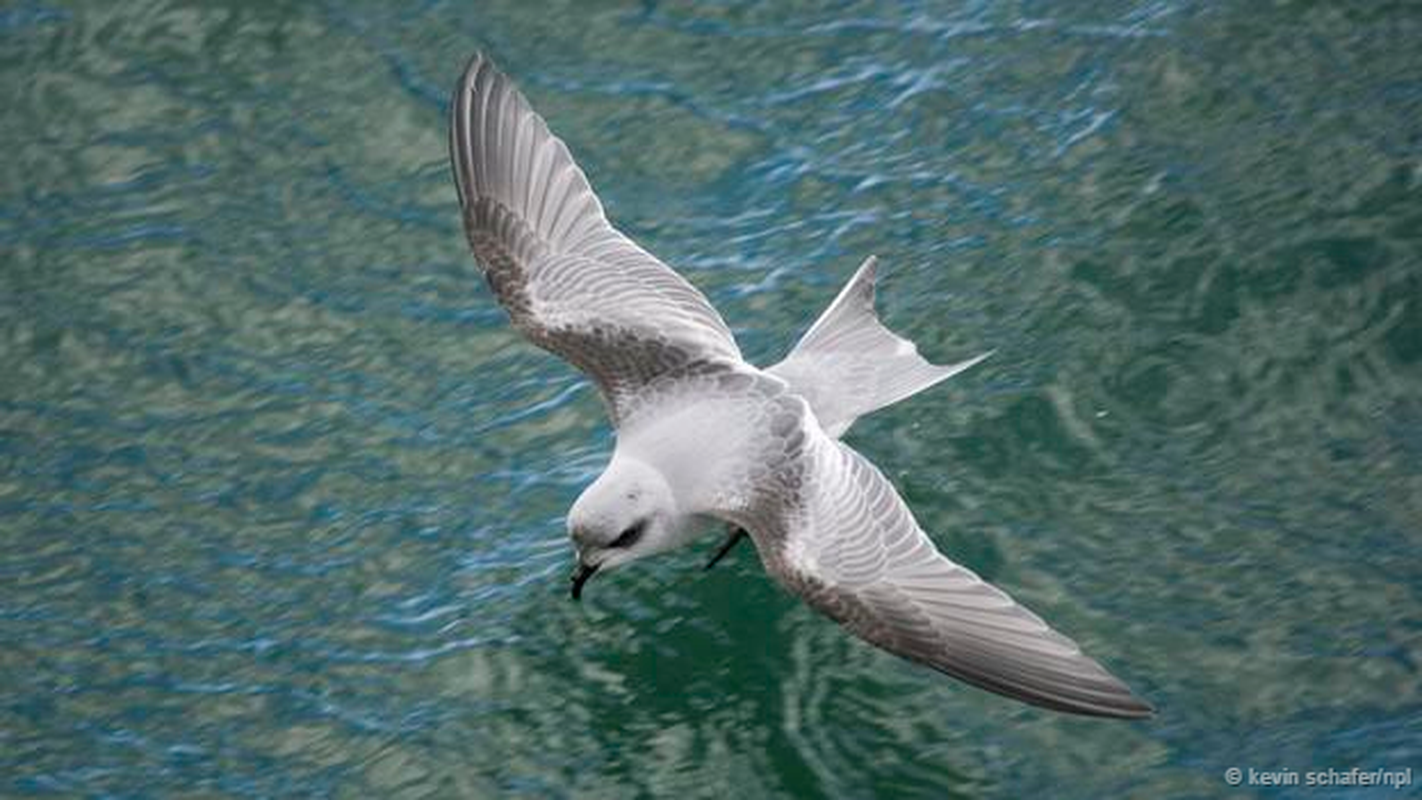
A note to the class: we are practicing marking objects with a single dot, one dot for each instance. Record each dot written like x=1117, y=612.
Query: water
x=281, y=495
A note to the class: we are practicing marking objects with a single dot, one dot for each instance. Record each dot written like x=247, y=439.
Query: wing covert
x=571, y=282
x=851, y=548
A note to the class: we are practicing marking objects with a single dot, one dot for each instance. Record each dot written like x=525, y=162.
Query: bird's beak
x=581, y=574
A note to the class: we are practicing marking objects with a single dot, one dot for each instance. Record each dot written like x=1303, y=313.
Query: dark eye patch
x=630, y=536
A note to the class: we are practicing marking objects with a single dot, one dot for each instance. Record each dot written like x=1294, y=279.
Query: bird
x=703, y=434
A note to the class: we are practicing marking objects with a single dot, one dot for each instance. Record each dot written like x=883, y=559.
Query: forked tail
x=849, y=364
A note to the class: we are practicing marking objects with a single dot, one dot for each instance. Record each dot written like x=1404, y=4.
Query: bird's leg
x=737, y=534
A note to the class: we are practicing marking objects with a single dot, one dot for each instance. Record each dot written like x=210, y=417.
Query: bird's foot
x=736, y=535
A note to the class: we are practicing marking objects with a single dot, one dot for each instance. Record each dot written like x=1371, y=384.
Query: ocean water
x=281, y=494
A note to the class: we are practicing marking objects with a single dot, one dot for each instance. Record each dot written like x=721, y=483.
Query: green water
x=281, y=495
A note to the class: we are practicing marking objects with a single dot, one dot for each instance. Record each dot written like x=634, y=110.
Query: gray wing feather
x=852, y=549
x=571, y=282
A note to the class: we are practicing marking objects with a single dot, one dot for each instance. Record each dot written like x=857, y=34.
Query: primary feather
x=570, y=281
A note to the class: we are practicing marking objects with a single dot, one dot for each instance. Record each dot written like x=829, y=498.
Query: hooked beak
x=580, y=576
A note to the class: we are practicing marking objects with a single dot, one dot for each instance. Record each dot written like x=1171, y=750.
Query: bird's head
x=628, y=513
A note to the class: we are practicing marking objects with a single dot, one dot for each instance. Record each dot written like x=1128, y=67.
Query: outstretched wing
x=570, y=281
x=850, y=547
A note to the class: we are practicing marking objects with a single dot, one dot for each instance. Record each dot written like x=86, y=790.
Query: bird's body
x=689, y=444
x=701, y=433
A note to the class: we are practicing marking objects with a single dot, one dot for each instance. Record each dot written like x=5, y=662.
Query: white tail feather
x=848, y=364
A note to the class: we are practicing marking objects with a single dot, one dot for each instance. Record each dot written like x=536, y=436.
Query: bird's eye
x=630, y=536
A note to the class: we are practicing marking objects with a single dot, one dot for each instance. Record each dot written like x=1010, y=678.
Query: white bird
x=701, y=433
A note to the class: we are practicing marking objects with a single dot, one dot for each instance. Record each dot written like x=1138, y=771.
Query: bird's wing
x=849, y=546
x=570, y=281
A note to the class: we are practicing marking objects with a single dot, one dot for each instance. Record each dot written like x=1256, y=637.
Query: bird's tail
x=848, y=364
